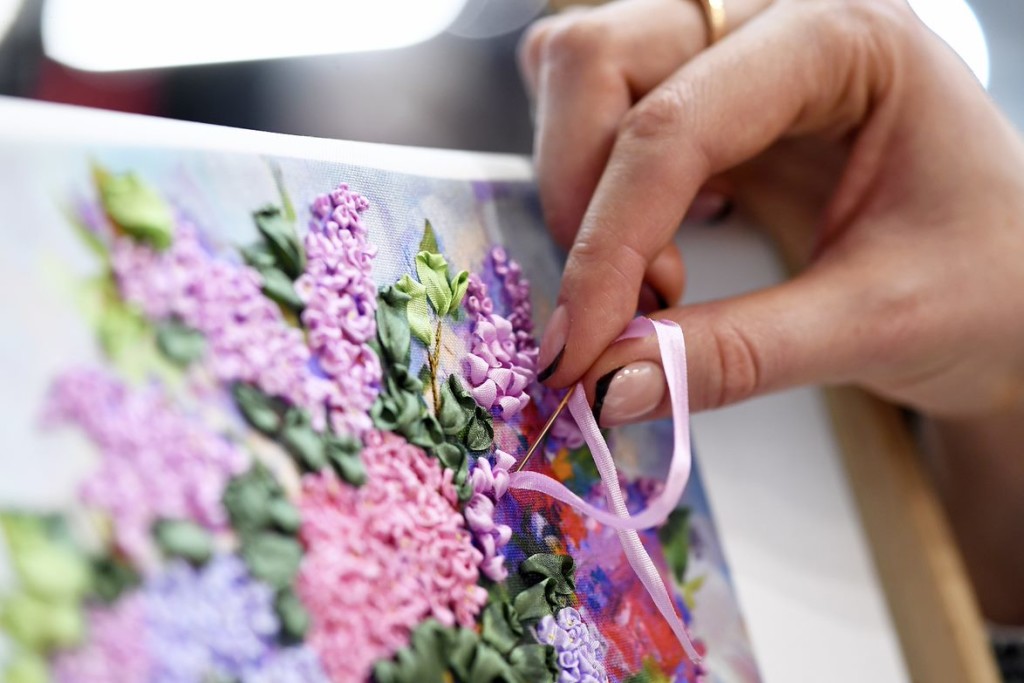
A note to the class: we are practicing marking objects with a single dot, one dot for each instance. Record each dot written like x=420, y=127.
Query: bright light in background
x=955, y=22
x=115, y=35
x=8, y=11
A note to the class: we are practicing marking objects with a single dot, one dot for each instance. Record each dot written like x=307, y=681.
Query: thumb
x=807, y=330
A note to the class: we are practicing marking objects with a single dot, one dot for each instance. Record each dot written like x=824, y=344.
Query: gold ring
x=714, y=15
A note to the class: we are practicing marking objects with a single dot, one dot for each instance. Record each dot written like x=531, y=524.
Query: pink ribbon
x=673, y=359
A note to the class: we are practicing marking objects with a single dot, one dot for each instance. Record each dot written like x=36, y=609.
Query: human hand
x=851, y=114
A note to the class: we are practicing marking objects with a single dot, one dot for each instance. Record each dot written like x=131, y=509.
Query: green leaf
x=261, y=411
x=480, y=432
x=429, y=241
x=416, y=309
x=559, y=568
x=532, y=604
x=136, y=208
x=302, y=441
x=674, y=535
x=452, y=416
x=501, y=627
x=458, y=286
x=278, y=288
x=286, y=200
x=280, y=237
x=535, y=663
x=111, y=578
x=292, y=614
x=181, y=344
x=343, y=455
x=258, y=255
x=284, y=516
x=432, y=270
x=248, y=499
x=187, y=540
x=272, y=557
x=393, y=325
x=26, y=667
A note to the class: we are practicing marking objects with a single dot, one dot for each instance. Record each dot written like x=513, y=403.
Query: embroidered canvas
x=262, y=416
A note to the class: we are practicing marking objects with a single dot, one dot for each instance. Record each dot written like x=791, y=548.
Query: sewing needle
x=547, y=428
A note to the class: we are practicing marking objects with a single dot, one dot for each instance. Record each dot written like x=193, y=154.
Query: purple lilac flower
x=578, y=646
x=341, y=300
x=298, y=664
x=156, y=461
x=247, y=337
x=517, y=295
x=489, y=485
x=207, y=624
x=115, y=651
x=497, y=372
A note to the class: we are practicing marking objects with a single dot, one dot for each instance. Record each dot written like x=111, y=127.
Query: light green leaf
x=280, y=237
x=458, y=286
x=416, y=309
x=184, y=539
x=302, y=441
x=393, y=325
x=429, y=241
x=278, y=287
x=292, y=614
x=136, y=208
x=432, y=270
x=273, y=558
x=179, y=343
x=261, y=411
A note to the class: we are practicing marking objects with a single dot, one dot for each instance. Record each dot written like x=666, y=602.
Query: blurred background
x=437, y=73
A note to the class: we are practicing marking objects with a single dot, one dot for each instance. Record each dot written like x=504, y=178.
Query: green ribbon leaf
x=282, y=241
x=249, y=498
x=452, y=416
x=292, y=615
x=284, y=516
x=501, y=627
x=261, y=411
x=559, y=568
x=416, y=309
x=429, y=241
x=187, y=540
x=480, y=432
x=278, y=288
x=458, y=286
x=393, y=325
x=111, y=578
x=272, y=557
x=258, y=256
x=302, y=441
x=135, y=208
x=432, y=270
x=675, y=541
x=179, y=343
x=343, y=455
x=532, y=604
x=535, y=663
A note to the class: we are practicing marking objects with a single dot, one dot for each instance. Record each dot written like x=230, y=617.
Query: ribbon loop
x=673, y=357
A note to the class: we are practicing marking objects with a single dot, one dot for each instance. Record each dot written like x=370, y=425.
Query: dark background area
x=451, y=91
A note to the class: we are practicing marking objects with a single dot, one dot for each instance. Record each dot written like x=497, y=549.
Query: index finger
x=797, y=67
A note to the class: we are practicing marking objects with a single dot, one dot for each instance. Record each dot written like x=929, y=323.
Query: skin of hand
x=903, y=188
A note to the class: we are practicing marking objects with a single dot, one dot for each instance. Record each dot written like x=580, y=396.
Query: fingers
x=722, y=108
x=805, y=330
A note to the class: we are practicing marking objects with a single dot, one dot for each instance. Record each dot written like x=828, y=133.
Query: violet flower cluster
x=517, y=296
x=340, y=300
x=489, y=485
x=383, y=557
x=211, y=623
x=497, y=372
x=156, y=461
x=246, y=335
x=298, y=664
x=578, y=646
x=116, y=651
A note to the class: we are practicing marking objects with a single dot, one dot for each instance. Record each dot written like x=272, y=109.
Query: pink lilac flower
x=340, y=300
x=383, y=557
x=211, y=623
x=247, y=337
x=489, y=485
x=578, y=646
x=115, y=651
x=155, y=460
x=497, y=372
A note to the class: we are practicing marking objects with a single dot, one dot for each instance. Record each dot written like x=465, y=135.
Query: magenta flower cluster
x=156, y=461
x=578, y=646
x=340, y=302
x=497, y=372
x=247, y=337
x=489, y=485
x=383, y=557
x=116, y=651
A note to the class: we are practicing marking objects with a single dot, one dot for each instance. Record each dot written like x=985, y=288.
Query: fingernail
x=628, y=393
x=553, y=345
